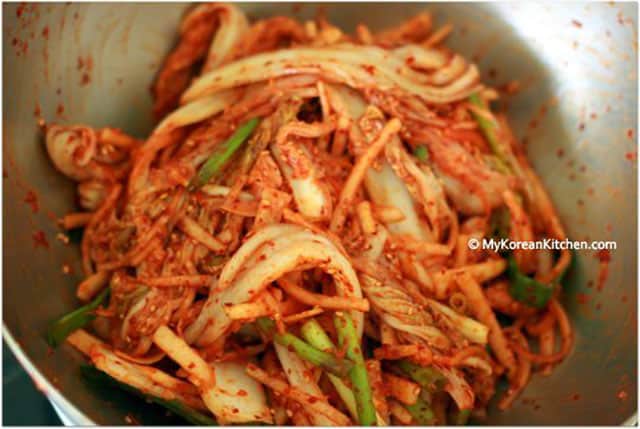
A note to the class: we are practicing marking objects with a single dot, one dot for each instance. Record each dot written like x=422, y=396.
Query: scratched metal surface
x=577, y=110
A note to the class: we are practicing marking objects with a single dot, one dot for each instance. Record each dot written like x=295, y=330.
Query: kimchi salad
x=290, y=244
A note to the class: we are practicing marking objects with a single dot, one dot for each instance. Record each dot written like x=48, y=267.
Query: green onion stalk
x=421, y=153
x=489, y=129
x=459, y=417
x=213, y=166
x=422, y=412
x=526, y=289
x=61, y=328
x=428, y=378
x=348, y=338
x=313, y=333
x=322, y=359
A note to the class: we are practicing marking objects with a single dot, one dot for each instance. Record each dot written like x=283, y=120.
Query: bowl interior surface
x=577, y=111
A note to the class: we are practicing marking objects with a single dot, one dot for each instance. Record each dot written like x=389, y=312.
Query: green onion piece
x=213, y=261
x=214, y=164
x=75, y=235
x=459, y=417
x=499, y=223
x=178, y=408
x=421, y=153
x=313, y=333
x=428, y=378
x=525, y=289
x=422, y=413
x=488, y=128
x=60, y=329
x=324, y=360
x=348, y=337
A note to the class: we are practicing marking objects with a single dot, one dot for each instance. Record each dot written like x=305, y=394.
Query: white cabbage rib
x=299, y=375
x=386, y=186
x=296, y=163
x=220, y=384
x=233, y=25
x=274, y=251
x=469, y=328
x=356, y=66
x=387, y=189
x=456, y=67
x=421, y=57
x=225, y=397
x=421, y=183
x=457, y=387
x=400, y=311
x=198, y=110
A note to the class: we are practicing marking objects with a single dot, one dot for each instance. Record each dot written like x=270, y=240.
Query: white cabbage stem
x=299, y=375
x=220, y=384
x=346, y=64
x=233, y=25
x=310, y=194
x=274, y=251
x=197, y=111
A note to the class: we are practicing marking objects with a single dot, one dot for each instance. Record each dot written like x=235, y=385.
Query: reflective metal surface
x=577, y=110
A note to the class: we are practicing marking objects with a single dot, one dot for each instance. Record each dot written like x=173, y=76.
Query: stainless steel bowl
x=577, y=110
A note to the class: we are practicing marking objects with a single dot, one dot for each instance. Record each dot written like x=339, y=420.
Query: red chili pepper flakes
x=630, y=133
x=603, y=255
x=40, y=240
x=583, y=298
x=369, y=69
x=32, y=200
